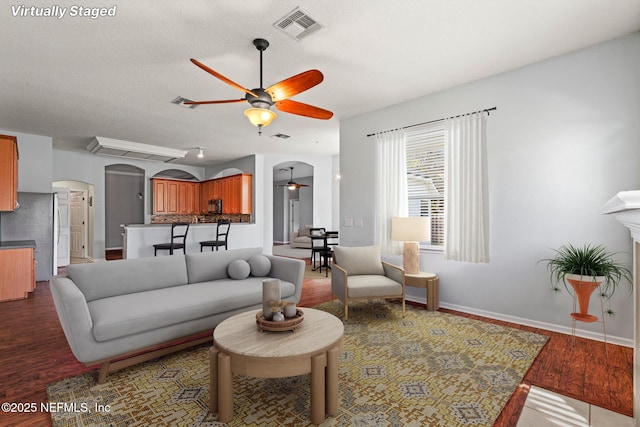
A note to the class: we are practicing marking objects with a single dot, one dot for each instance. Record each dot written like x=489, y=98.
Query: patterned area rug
x=427, y=369
x=317, y=274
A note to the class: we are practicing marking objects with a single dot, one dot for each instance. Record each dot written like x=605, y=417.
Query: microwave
x=214, y=206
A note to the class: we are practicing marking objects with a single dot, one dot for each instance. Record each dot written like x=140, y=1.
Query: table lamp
x=411, y=231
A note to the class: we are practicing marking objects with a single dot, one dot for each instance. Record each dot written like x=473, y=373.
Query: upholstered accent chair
x=358, y=273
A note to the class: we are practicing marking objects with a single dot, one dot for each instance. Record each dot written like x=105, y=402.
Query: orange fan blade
x=222, y=101
x=294, y=85
x=295, y=107
x=221, y=77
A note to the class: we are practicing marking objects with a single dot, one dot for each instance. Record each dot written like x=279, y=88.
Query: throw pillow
x=306, y=231
x=359, y=260
x=260, y=265
x=238, y=269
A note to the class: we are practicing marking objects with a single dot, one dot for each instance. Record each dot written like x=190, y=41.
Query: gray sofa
x=114, y=309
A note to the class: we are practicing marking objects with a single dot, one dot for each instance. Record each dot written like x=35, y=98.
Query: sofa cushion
x=238, y=269
x=371, y=286
x=260, y=265
x=206, y=266
x=359, y=260
x=305, y=231
x=106, y=279
x=125, y=315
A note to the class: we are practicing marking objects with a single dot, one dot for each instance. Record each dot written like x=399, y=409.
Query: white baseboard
x=597, y=336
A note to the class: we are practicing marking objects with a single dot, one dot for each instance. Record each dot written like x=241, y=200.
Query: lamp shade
x=260, y=116
x=411, y=229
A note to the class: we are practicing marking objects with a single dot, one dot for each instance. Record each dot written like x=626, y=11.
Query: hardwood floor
x=34, y=352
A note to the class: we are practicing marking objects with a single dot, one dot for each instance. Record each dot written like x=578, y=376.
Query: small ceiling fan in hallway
x=292, y=185
x=278, y=94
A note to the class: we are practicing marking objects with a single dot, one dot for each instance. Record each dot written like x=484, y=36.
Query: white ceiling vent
x=280, y=135
x=297, y=24
x=181, y=102
x=133, y=150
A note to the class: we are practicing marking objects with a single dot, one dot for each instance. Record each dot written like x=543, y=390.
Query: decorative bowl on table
x=288, y=324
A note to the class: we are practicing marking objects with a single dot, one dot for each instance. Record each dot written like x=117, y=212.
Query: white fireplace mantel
x=625, y=207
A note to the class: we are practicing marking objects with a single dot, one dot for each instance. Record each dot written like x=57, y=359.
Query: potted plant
x=586, y=268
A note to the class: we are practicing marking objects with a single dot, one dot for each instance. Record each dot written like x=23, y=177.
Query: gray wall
x=564, y=140
x=34, y=162
x=123, y=184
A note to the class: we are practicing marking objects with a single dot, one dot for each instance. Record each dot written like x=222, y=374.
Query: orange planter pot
x=583, y=290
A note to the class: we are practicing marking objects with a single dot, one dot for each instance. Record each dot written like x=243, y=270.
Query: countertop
x=17, y=244
x=191, y=224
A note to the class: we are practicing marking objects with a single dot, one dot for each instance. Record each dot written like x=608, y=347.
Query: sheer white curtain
x=466, y=193
x=390, y=186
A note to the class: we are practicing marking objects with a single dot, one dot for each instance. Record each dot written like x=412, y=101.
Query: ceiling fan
x=292, y=185
x=278, y=94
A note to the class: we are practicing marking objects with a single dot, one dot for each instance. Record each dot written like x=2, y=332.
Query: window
x=425, y=177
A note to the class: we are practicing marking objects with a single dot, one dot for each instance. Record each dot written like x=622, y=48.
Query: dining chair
x=222, y=235
x=326, y=256
x=179, y=232
x=317, y=243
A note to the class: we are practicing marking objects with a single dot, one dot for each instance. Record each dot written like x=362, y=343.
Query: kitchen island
x=138, y=239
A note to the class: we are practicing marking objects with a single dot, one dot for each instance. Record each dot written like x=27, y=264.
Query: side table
x=430, y=282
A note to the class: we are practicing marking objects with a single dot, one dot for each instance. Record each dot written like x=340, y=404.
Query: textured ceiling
x=76, y=77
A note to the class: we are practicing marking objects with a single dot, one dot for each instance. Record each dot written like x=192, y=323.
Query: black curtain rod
x=438, y=120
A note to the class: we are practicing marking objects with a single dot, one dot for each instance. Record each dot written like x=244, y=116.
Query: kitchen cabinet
x=205, y=191
x=159, y=196
x=173, y=197
x=17, y=271
x=8, y=173
x=189, y=197
x=235, y=192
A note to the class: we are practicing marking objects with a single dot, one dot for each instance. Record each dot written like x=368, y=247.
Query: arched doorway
x=292, y=207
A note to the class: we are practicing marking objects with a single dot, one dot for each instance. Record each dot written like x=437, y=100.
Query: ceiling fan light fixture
x=260, y=116
x=291, y=187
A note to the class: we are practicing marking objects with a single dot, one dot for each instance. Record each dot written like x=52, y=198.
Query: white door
x=63, y=230
x=78, y=220
x=294, y=215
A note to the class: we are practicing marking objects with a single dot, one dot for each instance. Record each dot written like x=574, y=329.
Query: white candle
x=270, y=292
x=290, y=309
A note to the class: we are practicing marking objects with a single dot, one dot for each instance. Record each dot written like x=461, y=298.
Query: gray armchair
x=358, y=273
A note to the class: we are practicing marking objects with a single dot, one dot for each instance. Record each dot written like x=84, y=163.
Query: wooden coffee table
x=240, y=348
